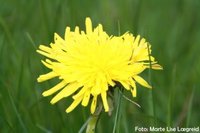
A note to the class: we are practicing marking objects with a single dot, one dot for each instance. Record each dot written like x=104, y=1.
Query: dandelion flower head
x=89, y=63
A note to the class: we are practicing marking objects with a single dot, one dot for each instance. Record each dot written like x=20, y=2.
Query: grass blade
x=17, y=113
x=117, y=111
x=190, y=108
x=151, y=96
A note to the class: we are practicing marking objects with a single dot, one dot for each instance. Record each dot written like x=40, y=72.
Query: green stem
x=92, y=121
x=92, y=124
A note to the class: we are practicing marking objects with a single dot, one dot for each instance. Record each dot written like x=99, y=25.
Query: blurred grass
x=171, y=26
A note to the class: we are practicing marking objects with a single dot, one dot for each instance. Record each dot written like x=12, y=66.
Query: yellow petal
x=142, y=81
x=136, y=42
x=142, y=41
x=45, y=48
x=67, y=91
x=58, y=39
x=105, y=102
x=67, y=33
x=45, y=54
x=46, y=64
x=76, y=30
x=93, y=105
x=134, y=92
x=125, y=85
x=132, y=83
x=109, y=80
x=47, y=76
x=81, y=92
x=86, y=98
x=157, y=67
x=96, y=89
x=133, y=89
x=54, y=89
x=137, y=68
x=74, y=104
x=88, y=24
x=100, y=28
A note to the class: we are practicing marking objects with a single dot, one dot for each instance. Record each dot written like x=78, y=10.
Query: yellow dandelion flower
x=88, y=63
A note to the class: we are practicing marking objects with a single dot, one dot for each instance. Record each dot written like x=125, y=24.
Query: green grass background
x=171, y=26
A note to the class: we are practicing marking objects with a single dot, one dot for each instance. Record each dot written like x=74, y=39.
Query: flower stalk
x=92, y=122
